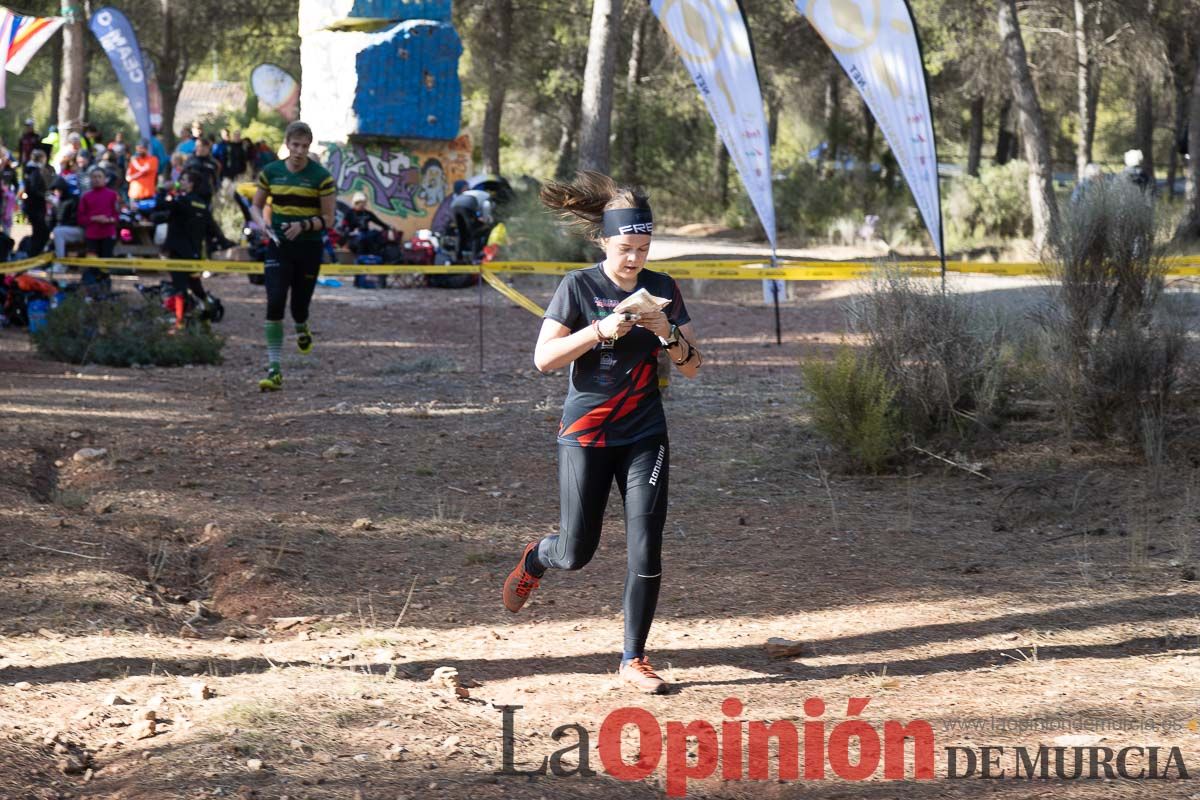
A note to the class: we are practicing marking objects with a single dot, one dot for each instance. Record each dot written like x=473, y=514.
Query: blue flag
x=119, y=42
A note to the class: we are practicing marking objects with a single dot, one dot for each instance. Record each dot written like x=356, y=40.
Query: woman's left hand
x=657, y=323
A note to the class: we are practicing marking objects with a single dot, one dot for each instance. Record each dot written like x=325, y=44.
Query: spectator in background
x=114, y=174
x=177, y=162
x=159, y=151
x=99, y=209
x=91, y=137
x=250, y=156
x=8, y=170
x=265, y=155
x=220, y=151
x=203, y=164
x=34, y=204
x=1135, y=171
x=187, y=143
x=71, y=148
x=49, y=143
x=236, y=160
x=6, y=215
x=119, y=150
x=29, y=140
x=142, y=173
x=66, y=226
x=66, y=170
x=82, y=173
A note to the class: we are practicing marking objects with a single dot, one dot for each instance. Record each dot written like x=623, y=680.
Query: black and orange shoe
x=638, y=673
x=520, y=583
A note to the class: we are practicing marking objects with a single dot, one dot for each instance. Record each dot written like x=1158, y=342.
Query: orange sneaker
x=638, y=673
x=520, y=583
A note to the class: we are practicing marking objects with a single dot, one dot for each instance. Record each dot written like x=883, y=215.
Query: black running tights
x=291, y=267
x=585, y=476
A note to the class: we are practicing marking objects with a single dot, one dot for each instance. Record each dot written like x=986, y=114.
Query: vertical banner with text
x=714, y=43
x=876, y=42
x=120, y=43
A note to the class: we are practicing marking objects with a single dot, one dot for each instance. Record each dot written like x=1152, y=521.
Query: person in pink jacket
x=99, y=208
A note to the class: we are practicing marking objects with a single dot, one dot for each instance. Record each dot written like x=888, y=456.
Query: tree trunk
x=172, y=70
x=596, y=110
x=1033, y=128
x=1004, y=135
x=1145, y=111
x=498, y=19
x=1144, y=136
x=70, y=101
x=1193, y=175
x=833, y=110
x=630, y=138
x=88, y=52
x=975, y=137
x=864, y=169
x=569, y=129
x=1083, y=91
x=721, y=170
x=1181, y=116
x=773, y=104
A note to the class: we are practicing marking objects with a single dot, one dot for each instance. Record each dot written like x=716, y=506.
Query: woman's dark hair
x=584, y=200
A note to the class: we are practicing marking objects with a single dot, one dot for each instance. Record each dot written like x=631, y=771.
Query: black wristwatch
x=672, y=339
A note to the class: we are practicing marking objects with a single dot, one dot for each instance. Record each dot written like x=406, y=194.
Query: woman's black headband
x=624, y=221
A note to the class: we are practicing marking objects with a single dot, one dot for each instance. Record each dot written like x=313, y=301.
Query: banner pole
x=479, y=280
x=775, y=296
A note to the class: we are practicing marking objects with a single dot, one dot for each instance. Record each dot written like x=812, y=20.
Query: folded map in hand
x=641, y=302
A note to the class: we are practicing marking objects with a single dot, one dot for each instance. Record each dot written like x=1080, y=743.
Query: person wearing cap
x=357, y=226
x=613, y=426
x=142, y=173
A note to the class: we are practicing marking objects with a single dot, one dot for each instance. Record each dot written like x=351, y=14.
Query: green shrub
x=117, y=334
x=1115, y=350
x=943, y=354
x=994, y=205
x=852, y=405
x=535, y=234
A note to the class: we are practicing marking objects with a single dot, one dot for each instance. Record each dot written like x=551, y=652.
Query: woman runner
x=303, y=199
x=613, y=425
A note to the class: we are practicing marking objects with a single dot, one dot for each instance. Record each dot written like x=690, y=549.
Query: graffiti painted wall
x=408, y=184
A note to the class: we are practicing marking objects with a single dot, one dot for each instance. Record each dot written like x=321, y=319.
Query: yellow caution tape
x=511, y=293
x=8, y=267
x=706, y=270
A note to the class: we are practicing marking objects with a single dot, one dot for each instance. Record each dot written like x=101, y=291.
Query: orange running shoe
x=638, y=673
x=520, y=583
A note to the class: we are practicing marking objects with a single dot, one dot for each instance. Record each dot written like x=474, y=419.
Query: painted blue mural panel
x=408, y=83
x=436, y=10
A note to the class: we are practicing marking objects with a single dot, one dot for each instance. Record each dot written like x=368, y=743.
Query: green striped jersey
x=295, y=196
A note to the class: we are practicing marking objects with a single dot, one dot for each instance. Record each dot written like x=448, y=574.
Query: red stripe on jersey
x=597, y=416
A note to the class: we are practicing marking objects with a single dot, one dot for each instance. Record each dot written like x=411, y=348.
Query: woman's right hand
x=614, y=326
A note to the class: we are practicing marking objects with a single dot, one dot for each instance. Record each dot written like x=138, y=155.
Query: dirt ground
x=277, y=578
